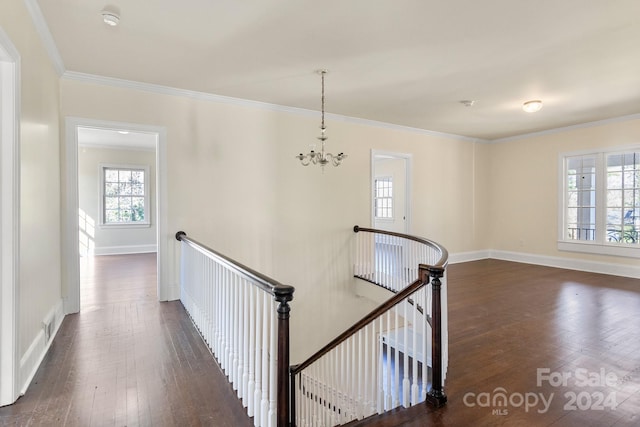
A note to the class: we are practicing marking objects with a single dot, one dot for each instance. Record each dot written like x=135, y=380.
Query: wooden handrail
x=283, y=294
x=266, y=283
x=444, y=254
x=396, y=299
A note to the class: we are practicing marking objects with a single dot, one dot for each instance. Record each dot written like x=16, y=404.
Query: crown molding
x=45, y=35
x=203, y=96
x=568, y=128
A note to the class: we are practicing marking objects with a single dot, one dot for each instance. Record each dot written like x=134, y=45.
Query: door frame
x=70, y=229
x=408, y=159
x=9, y=220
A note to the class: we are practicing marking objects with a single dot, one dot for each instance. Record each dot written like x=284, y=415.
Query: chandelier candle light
x=321, y=158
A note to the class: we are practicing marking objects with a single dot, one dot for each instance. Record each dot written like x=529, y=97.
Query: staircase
x=394, y=356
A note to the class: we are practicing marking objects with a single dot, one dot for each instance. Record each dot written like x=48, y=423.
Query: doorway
x=391, y=191
x=79, y=227
x=117, y=202
x=9, y=218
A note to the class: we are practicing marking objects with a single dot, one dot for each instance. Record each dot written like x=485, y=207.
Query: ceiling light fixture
x=321, y=158
x=110, y=15
x=532, y=106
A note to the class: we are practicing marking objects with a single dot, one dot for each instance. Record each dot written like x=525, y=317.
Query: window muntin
x=623, y=197
x=601, y=202
x=125, y=195
x=384, y=198
x=581, y=197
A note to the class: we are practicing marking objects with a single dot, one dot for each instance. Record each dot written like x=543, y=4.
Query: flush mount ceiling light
x=532, y=106
x=110, y=15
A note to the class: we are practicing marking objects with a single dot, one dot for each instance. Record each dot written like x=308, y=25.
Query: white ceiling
x=404, y=62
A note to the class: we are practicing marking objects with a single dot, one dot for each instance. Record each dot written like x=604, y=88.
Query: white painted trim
x=166, y=285
x=166, y=90
x=32, y=358
x=567, y=128
x=617, y=250
x=408, y=158
x=45, y=35
x=203, y=96
x=632, y=271
x=549, y=261
x=468, y=256
x=124, y=250
x=10, y=107
x=70, y=229
x=115, y=147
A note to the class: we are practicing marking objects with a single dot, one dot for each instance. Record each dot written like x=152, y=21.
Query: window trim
x=598, y=246
x=147, y=197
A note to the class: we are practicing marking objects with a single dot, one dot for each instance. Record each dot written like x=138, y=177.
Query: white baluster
x=389, y=386
x=273, y=380
x=396, y=361
x=364, y=377
x=245, y=346
x=251, y=383
x=266, y=316
x=406, y=384
x=257, y=394
x=334, y=357
x=235, y=332
x=426, y=342
x=227, y=323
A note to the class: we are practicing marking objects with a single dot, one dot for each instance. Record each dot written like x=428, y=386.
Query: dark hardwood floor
x=507, y=321
x=127, y=360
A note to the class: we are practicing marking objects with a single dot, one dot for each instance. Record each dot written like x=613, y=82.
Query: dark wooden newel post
x=283, y=295
x=436, y=396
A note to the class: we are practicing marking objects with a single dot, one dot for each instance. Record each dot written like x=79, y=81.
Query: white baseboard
x=468, y=256
x=570, y=264
x=550, y=261
x=171, y=293
x=124, y=250
x=32, y=358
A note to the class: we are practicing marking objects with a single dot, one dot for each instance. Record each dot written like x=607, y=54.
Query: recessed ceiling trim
x=203, y=96
x=45, y=35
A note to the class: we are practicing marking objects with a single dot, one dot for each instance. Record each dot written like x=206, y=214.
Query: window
x=125, y=195
x=384, y=198
x=623, y=197
x=601, y=203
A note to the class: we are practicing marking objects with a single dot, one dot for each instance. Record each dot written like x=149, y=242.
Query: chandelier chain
x=323, y=72
x=321, y=158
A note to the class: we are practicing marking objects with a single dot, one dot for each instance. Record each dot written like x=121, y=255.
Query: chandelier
x=321, y=158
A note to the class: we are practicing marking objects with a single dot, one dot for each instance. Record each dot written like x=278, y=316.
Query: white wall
x=40, y=217
x=109, y=240
x=233, y=183
x=523, y=177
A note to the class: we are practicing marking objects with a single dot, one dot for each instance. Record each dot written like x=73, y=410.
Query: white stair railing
x=397, y=354
x=241, y=316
